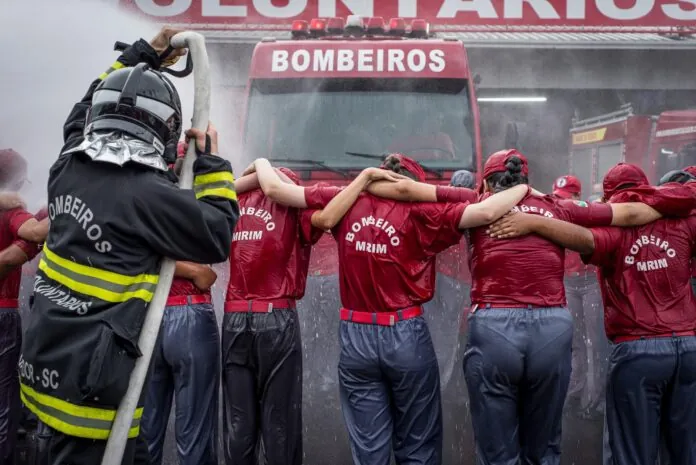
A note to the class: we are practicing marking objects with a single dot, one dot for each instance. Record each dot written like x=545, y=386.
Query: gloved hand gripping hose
x=116, y=444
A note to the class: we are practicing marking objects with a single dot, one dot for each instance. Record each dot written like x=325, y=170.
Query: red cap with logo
x=409, y=164
x=497, y=162
x=566, y=187
x=623, y=174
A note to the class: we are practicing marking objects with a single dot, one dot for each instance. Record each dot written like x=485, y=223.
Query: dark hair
x=393, y=164
x=511, y=177
x=627, y=185
x=463, y=178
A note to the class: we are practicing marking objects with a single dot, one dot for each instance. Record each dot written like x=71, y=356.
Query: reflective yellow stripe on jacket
x=219, y=183
x=75, y=420
x=94, y=282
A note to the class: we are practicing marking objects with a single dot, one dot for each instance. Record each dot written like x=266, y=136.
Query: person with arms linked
x=388, y=371
x=519, y=333
x=185, y=365
x=262, y=350
x=649, y=316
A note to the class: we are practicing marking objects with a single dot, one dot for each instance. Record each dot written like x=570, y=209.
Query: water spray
x=197, y=62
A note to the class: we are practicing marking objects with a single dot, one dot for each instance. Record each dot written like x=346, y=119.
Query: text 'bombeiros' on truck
x=342, y=93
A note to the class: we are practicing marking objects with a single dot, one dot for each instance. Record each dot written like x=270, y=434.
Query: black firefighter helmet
x=142, y=103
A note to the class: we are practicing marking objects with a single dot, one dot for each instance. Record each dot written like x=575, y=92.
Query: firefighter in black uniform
x=115, y=211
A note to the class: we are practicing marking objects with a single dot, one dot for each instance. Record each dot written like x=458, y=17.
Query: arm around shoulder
x=567, y=235
x=492, y=208
x=404, y=190
x=288, y=194
x=329, y=216
x=633, y=214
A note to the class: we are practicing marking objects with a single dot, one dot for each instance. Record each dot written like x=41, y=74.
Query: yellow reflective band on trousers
x=219, y=184
x=94, y=282
x=75, y=420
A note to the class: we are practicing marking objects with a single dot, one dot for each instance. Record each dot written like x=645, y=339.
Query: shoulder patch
x=580, y=203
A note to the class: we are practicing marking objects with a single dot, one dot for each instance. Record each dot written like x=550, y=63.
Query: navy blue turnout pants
x=185, y=366
x=390, y=393
x=651, y=387
x=517, y=368
x=10, y=405
x=262, y=388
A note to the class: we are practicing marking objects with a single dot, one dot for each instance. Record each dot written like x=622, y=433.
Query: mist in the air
x=52, y=51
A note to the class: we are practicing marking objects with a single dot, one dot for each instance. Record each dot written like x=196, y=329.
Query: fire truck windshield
x=326, y=119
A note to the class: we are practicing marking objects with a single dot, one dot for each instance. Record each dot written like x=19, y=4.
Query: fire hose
x=116, y=444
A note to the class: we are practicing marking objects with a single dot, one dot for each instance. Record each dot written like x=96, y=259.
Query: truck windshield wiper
x=367, y=155
x=316, y=163
x=383, y=157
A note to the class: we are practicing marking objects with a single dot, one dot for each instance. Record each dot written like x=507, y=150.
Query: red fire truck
x=658, y=144
x=674, y=143
x=339, y=94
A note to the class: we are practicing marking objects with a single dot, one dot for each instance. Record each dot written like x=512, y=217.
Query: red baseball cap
x=291, y=174
x=620, y=175
x=691, y=170
x=409, y=164
x=566, y=187
x=497, y=162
